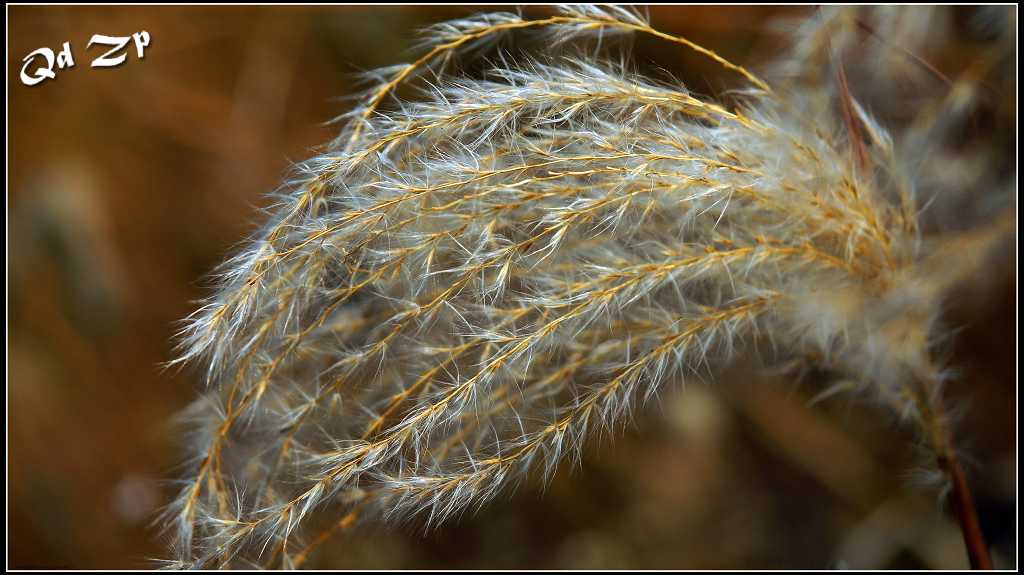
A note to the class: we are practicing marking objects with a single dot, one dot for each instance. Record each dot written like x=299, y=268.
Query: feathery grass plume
x=464, y=289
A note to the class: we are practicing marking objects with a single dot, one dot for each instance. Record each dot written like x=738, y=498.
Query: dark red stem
x=963, y=505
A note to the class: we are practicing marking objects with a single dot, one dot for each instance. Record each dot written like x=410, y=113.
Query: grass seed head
x=464, y=289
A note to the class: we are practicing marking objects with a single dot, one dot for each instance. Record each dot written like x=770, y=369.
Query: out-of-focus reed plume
x=466, y=288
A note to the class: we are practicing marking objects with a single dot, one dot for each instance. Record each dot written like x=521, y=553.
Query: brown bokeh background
x=126, y=186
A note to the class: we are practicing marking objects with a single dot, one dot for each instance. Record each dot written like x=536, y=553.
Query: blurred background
x=127, y=185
